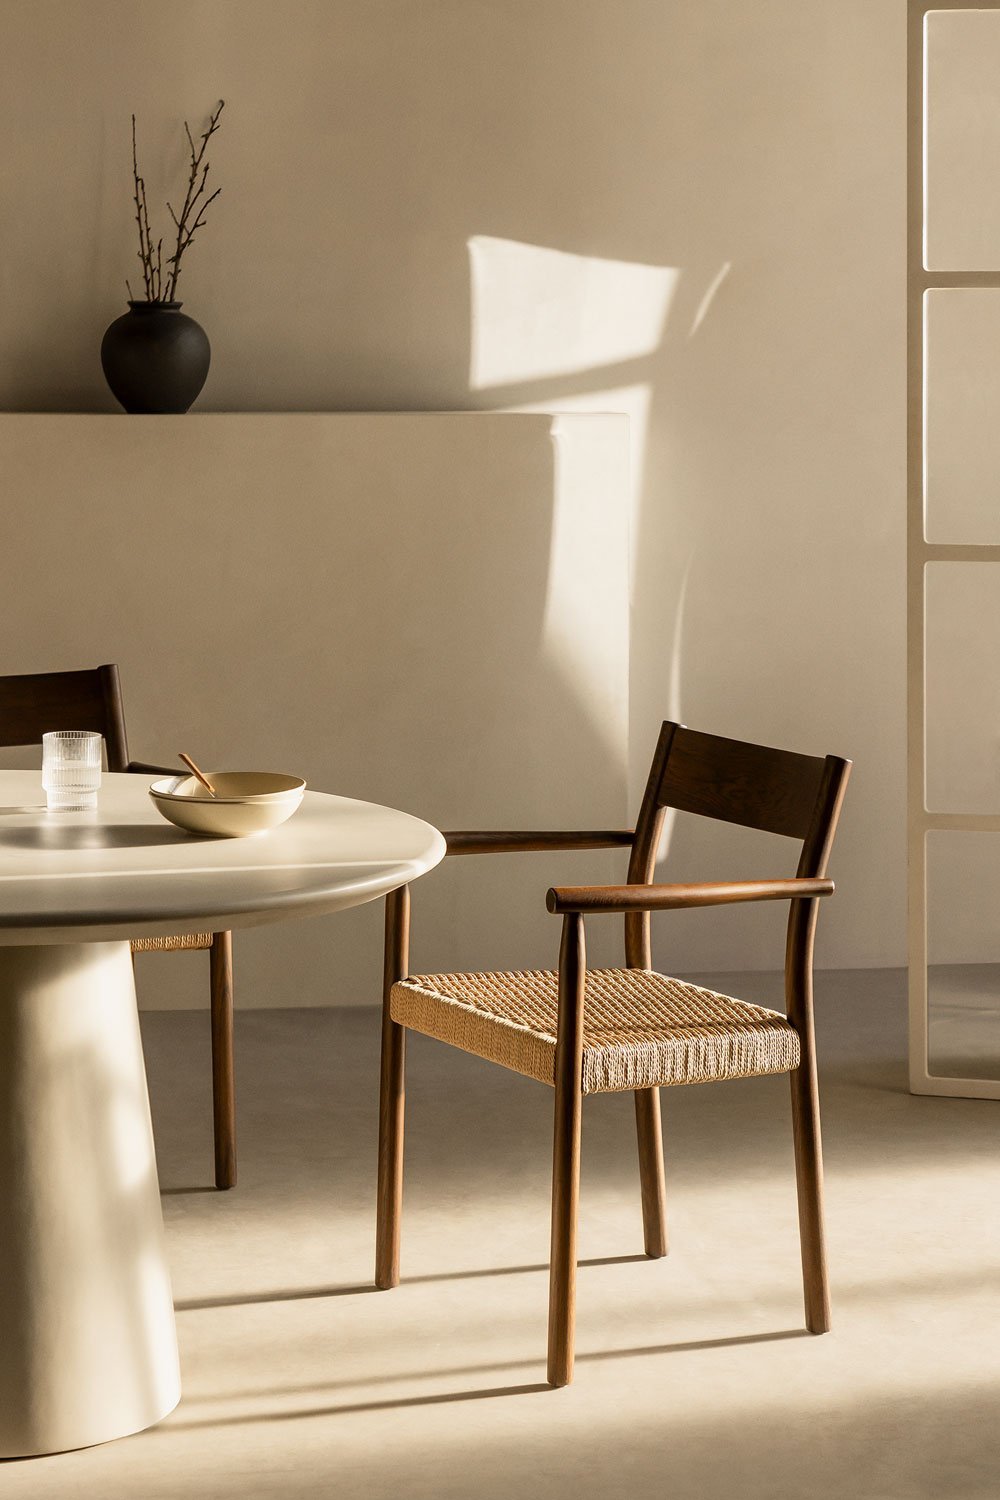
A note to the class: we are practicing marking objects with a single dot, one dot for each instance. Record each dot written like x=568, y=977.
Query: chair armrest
x=141, y=768
x=624, y=898
x=515, y=843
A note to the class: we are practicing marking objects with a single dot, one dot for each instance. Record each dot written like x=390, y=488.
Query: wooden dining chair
x=631, y=1029
x=33, y=703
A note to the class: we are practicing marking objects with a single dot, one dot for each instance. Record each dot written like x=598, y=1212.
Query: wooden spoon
x=199, y=774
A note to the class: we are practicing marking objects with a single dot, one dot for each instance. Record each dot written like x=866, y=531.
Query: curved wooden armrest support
x=141, y=768
x=524, y=843
x=624, y=898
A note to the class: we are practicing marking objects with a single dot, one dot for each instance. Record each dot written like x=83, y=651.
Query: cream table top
x=123, y=871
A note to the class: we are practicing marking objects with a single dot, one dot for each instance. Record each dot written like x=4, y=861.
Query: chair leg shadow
x=356, y=1408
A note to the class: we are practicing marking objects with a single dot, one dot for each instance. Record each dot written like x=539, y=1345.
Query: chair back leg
x=220, y=959
x=649, y=1134
x=566, y=1152
x=392, y=1096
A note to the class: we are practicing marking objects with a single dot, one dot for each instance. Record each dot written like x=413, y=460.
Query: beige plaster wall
x=379, y=604
x=692, y=212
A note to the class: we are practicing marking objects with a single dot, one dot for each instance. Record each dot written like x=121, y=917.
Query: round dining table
x=88, y=1347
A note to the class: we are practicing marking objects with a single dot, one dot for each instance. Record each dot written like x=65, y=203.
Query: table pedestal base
x=88, y=1348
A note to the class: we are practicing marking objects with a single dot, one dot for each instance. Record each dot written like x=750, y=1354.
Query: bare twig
x=197, y=178
x=199, y=221
x=190, y=219
x=142, y=220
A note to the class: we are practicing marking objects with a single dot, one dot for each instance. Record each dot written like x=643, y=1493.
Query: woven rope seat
x=171, y=944
x=641, y=1029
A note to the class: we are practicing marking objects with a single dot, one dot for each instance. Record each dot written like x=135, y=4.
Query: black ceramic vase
x=155, y=358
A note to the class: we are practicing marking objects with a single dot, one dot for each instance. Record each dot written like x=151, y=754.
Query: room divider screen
x=953, y=547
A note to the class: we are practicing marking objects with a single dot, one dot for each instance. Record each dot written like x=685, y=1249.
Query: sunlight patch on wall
x=585, y=623
x=540, y=312
x=633, y=401
x=709, y=297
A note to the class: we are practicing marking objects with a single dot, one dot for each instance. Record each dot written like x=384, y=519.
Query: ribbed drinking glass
x=71, y=769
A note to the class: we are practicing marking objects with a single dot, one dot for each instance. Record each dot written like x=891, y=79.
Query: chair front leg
x=566, y=1151
x=220, y=959
x=649, y=1134
x=806, y=1129
x=392, y=1096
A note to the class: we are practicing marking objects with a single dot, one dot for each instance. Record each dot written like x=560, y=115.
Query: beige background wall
x=379, y=604
x=690, y=212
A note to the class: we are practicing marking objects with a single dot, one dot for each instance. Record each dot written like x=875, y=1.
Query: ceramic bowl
x=245, y=802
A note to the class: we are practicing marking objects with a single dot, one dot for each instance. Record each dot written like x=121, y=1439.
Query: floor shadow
x=300, y=1294
x=180, y=1192
x=355, y=1407
x=494, y=1367
x=602, y=1260
x=248, y=1299
x=692, y=1345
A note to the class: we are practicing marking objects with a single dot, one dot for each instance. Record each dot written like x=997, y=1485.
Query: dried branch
x=142, y=220
x=190, y=219
x=199, y=221
x=197, y=178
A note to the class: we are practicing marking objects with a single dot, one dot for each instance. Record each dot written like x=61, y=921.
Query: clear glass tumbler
x=71, y=769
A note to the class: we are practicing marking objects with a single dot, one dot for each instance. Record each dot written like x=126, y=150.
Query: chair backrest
x=35, y=702
x=756, y=786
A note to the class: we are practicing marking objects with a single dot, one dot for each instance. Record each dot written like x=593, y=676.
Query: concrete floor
x=694, y=1376
x=963, y=1016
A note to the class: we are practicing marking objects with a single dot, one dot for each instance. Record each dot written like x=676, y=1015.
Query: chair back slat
x=776, y=791
x=33, y=703
x=773, y=790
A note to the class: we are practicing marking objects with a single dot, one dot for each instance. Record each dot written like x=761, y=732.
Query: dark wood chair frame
x=752, y=785
x=33, y=703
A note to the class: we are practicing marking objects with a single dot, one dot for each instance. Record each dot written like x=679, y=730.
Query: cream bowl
x=245, y=802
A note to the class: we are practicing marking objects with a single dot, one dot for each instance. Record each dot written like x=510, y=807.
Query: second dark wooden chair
x=630, y=1029
x=33, y=703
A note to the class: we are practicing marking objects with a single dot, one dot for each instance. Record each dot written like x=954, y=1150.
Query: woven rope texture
x=640, y=1029
x=172, y=944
